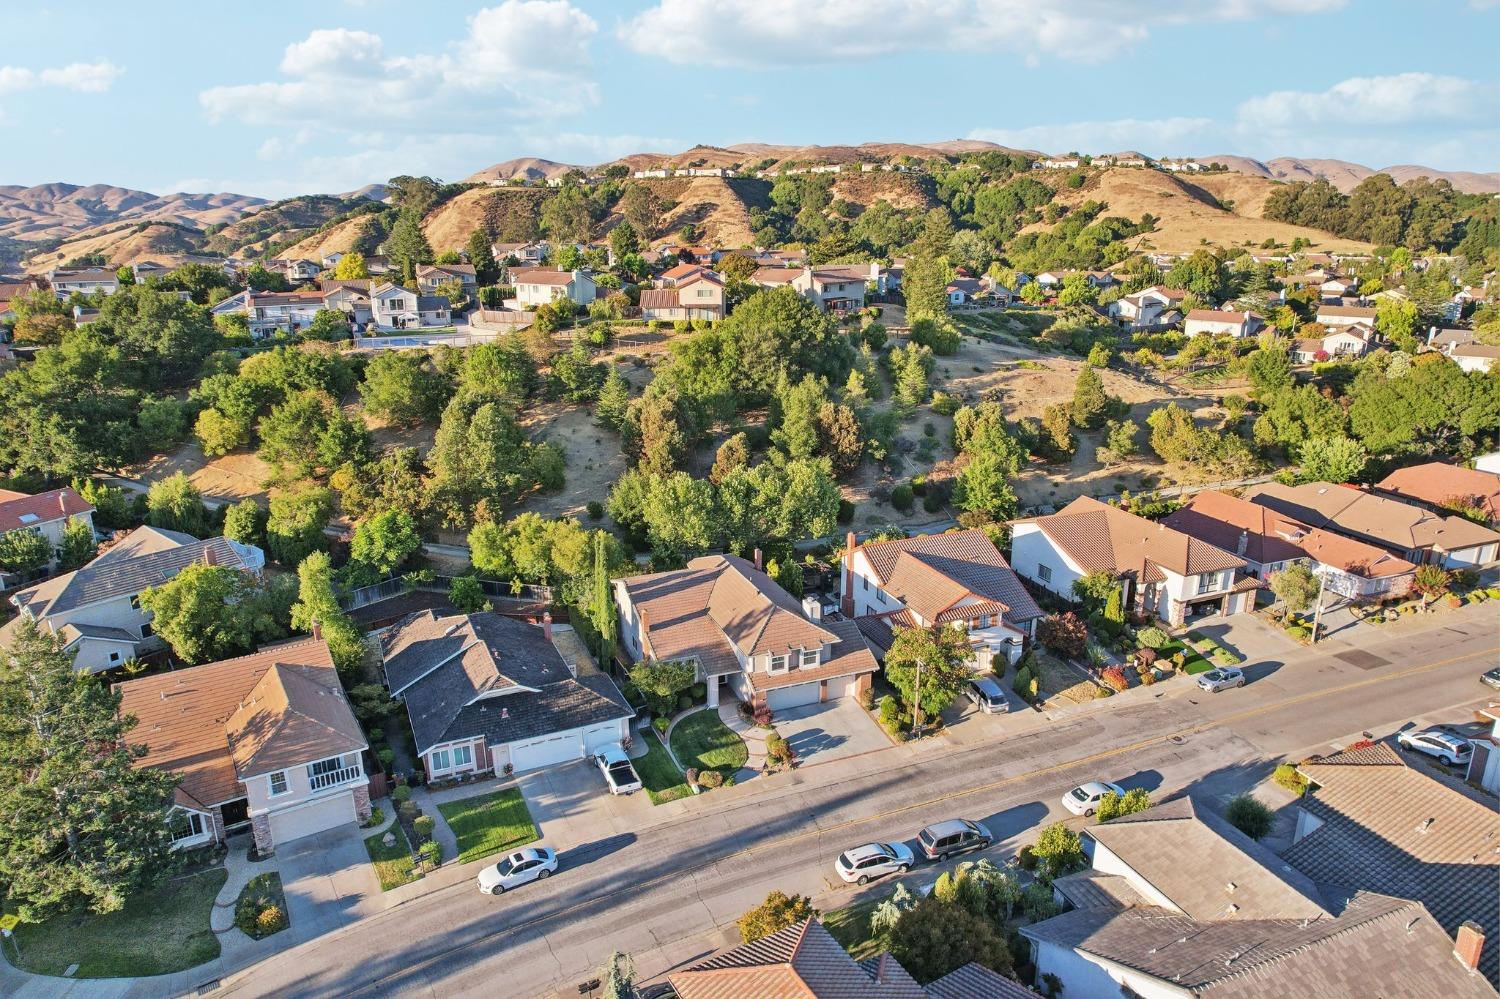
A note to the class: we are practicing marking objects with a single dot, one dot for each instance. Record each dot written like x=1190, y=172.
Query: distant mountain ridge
x=50, y=211
x=1346, y=176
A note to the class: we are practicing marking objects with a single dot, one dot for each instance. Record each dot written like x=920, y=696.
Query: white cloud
x=795, y=32
x=519, y=61
x=1402, y=99
x=83, y=77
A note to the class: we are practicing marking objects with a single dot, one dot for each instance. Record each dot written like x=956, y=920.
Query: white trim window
x=777, y=663
x=1044, y=572
x=278, y=783
x=187, y=826
x=809, y=658
x=452, y=758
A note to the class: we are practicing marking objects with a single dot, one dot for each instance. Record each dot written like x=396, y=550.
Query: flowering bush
x=1114, y=678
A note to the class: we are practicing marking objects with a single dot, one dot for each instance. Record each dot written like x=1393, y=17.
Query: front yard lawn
x=850, y=926
x=489, y=823
x=704, y=742
x=156, y=933
x=663, y=781
x=393, y=864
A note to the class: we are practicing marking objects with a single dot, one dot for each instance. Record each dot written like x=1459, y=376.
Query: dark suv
x=943, y=839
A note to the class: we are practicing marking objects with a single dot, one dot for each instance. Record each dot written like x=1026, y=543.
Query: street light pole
x=1318, y=607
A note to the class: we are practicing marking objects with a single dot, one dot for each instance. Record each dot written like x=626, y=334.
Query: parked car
x=519, y=868
x=987, y=695
x=1491, y=678
x=874, y=860
x=1084, y=799
x=619, y=773
x=943, y=839
x=1222, y=678
x=1445, y=746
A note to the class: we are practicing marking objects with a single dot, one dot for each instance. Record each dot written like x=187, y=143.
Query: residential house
x=527, y=254
x=1147, y=309
x=394, y=307
x=958, y=579
x=804, y=961
x=876, y=279
x=1484, y=763
x=1162, y=572
x=1348, y=340
x=1479, y=357
x=273, y=312
x=85, y=281
x=47, y=514
x=378, y=264
x=682, y=272
x=1371, y=823
x=9, y=292
x=96, y=610
x=351, y=297
x=486, y=693
x=1335, y=289
x=266, y=740
x=82, y=316
x=739, y=627
x=539, y=286
x=431, y=277
x=1444, y=487
x=963, y=290
x=145, y=270
x=1215, y=322
x=1446, y=339
x=297, y=270
x=1179, y=903
x=1334, y=316
x=1414, y=534
x=1269, y=542
x=1488, y=462
x=700, y=296
x=331, y=260
x=1056, y=164
x=829, y=290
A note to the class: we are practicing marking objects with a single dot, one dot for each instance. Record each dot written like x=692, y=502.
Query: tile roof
x=1100, y=537
x=1346, y=311
x=540, y=275
x=1475, y=350
x=117, y=574
x=1406, y=831
x=930, y=573
x=850, y=654
x=660, y=298
x=19, y=510
x=465, y=270
x=1438, y=481
x=1221, y=316
x=975, y=981
x=775, y=275
x=879, y=629
x=200, y=721
x=1352, y=511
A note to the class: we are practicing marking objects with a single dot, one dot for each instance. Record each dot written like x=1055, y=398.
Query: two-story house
x=83, y=281
x=96, y=609
x=392, y=307
x=958, y=579
x=271, y=312
x=485, y=692
x=297, y=270
x=48, y=514
x=530, y=254
x=266, y=741
x=1346, y=340
x=1179, y=904
x=742, y=630
x=1334, y=316
x=351, y=297
x=699, y=296
x=1218, y=322
x=1148, y=308
x=1162, y=572
x=537, y=286
x=1407, y=531
x=830, y=290
x=1269, y=542
x=431, y=277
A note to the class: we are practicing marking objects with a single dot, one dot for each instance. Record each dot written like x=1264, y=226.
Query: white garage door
x=323, y=814
x=794, y=696
x=546, y=751
x=842, y=686
x=600, y=736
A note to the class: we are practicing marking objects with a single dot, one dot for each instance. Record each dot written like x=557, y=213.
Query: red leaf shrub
x=1146, y=657
x=1321, y=356
x=1064, y=634
x=1114, y=678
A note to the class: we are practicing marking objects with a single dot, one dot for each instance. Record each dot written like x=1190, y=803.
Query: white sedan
x=1222, y=678
x=517, y=869
x=1084, y=799
x=1444, y=746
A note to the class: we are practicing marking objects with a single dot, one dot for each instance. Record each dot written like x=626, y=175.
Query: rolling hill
x=58, y=211
x=1345, y=175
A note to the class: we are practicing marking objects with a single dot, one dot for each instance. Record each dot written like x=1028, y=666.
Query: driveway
x=1250, y=636
x=571, y=806
x=832, y=730
x=328, y=881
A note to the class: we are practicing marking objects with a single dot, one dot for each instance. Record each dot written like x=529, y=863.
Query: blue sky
x=278, y=98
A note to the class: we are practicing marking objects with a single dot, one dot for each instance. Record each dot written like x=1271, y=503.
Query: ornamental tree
x=943, y=653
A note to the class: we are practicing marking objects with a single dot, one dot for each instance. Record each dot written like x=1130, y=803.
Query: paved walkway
x=754, y=736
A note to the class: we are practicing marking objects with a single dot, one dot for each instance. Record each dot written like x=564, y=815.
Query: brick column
x=260, y=825
x=362, y=802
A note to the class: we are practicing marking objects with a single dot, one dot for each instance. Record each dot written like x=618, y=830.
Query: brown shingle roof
x=1438, y=481
x=196, y=722
x=799, y=962
x=660, y=298
x=1100, y=537
x=1347, y=311
x=930, y=573
x=540, y=275
x=1352, y=511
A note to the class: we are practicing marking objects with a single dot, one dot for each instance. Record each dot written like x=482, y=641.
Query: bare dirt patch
x=594, y=455
x=227, y=479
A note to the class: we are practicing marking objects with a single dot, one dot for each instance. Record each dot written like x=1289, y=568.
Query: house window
x=809, y=658
x=1207, y=581
x=778, y=664
x=114, y=657
x=135, y=601
x=983, y=622
x=185, y=825
x=146, y=630
x=442, y=759
x=278, y=783
x=328, y=766
x=1044, y=573
x=864, y=582
x=463, y=756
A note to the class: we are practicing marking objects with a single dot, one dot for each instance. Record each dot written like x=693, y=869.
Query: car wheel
x=863, y=879
x=984, y=844
x=497, y=890
x=1088, y=812
x=544, y=875
x=943, y=858
x=902, y=869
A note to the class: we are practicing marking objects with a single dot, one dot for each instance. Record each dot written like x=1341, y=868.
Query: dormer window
x=809, y=658
x=778, y=664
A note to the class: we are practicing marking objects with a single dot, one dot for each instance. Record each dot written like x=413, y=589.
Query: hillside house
x=1348, y=341
x=83, y=281
x=1479, y=357
x=1442, y=487
x=1162, y=572
x=700, y=296
x=528, y=254
x=393, y=307
x=1149, y=308
x=1215, y=322
x=431, y=277
x=1335, y=316
x=273, y=312
x=742, y=631
x=538, y=286
x=830, y=291
x=266, y=741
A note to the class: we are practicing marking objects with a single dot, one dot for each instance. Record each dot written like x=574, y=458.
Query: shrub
x=661, y=725
x=700, y=691
x=431, y=853
x=944, y=404
x=595, y=510
x=684, y=702
x=1064, y=634
x=1225, y=658
x=890, y=714
x=932, y=502
x=387, y=757
x=1288, y=777
x=1027, y=858
x=1455, y=600
x=269, y=920
x=1249, y=816
x=1146, y=657
x=777, y=912
x=1298, y=632
x=846, y=512
x=867, y=698
x=423, y=825
x=407, y=810
x=1152, y=637
x=1493, y=592
x=711, y=779
x=377, y=816
x=902, y=498
x=1100, y=693
x=1114, y=677
x=401, y=793
x=1147, y=675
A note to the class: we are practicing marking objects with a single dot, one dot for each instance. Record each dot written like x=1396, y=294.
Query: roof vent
x=1426, y=825
x=1230, y=886
x=1232, y=909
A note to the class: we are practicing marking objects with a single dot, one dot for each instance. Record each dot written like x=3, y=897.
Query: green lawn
x=393, y=864
x=704, y=742
x=850, y=926
x=156, y=933
x=663, y=781
x=489, y=823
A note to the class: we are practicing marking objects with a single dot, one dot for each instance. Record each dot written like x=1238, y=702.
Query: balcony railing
x=333, y=777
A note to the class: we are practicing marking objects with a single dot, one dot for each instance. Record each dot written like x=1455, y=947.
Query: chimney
x=846, y=570
x=547, y=624
x=1431, y=332
x=1243, y=544
x=757, y=560
x=209, y=558
x=1469, y=944
x=317, y=629
x=62, y=502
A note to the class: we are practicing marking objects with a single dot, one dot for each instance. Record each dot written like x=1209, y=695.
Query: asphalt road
x=666, y=892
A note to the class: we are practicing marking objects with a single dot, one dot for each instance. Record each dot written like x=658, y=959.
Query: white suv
x=864, y=863
x=1444, y=746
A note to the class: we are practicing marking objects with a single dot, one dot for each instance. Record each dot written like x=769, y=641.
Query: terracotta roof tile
x=1378, y=519
x=18, y=510
x=1104, y=538
x=1436, y=482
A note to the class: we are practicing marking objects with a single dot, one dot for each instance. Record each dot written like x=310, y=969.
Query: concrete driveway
x=328, y=881
x=572, y=807
x=832, y=730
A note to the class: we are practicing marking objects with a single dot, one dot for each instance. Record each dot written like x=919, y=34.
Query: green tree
x=162, y=421
x=318, y=606
x=618, y=976
x=1397, y=320
x=944, y=655
x=1090, y=402
x=78, y=544
x=777, y=912
x=174, y=504
x=407, y=245
x=614, y=400
x=1058, y=851
x=467, y=595
x=934, y=938
x=681, y=515
x=479, y=455
x=82, y=824
x=1296, y=587
x=329, y=326
x=653, y=432
x=211, y=612
x=24, y=550
x=401, y=387
x=661, y=683
x=245, y=522
x=1094, y=589
x=1332, y=459
x=1114, y=806
x=486, y=270
x=294, y=529
x=601, y=604
x=351, y=267
x=1270, y=370
x=983, y=487
x=1249, y=816
x=733, y=455
x=386, y=541
x=797, y=433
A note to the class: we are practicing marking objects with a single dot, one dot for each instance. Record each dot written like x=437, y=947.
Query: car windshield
x=1080, y=794
x=846, y=860
x=1212, y=675
x=505, y=866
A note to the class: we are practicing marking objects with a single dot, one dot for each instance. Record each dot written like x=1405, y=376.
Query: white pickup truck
x=618, y=773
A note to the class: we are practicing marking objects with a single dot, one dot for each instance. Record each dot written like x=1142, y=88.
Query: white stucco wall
x=1082, y=976
x=1030, y=549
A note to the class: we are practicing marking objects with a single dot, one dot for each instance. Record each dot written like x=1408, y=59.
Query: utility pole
x=916, y=710
x=1318, y=606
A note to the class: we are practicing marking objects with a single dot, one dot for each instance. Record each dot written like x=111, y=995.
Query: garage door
x=324, y=814
x=546, y=751
x=596, y=738
x=794, y=696
x=842, y=686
